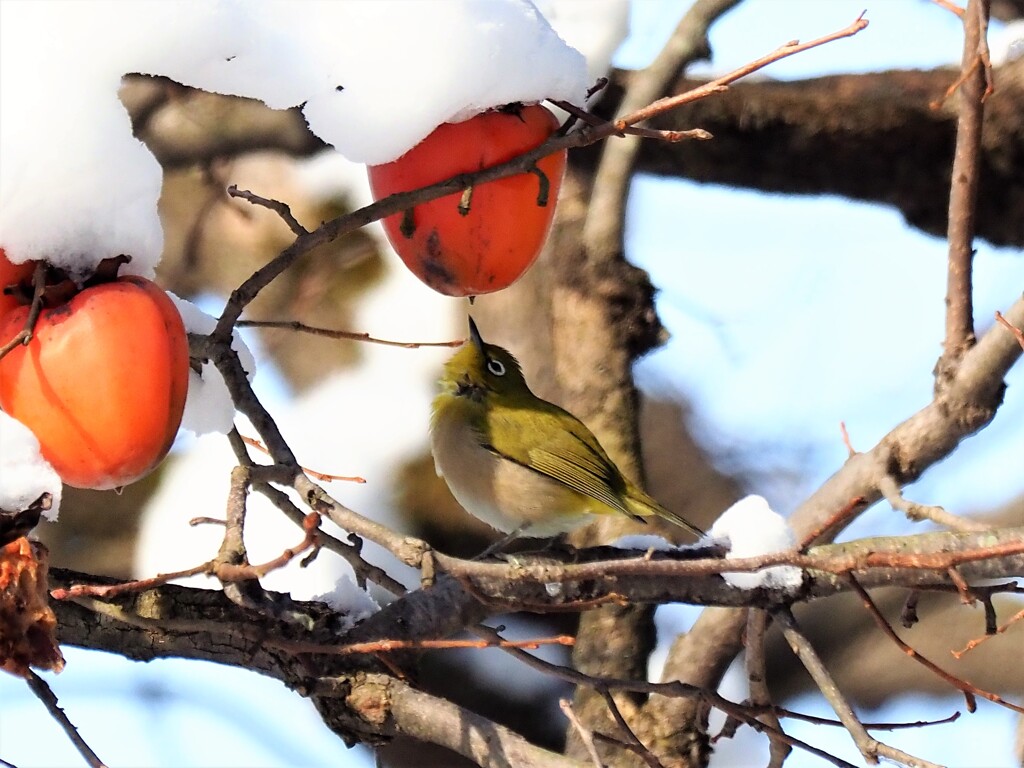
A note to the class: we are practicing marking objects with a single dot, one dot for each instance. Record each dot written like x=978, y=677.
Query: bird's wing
x=583, y=474
x=564, y=450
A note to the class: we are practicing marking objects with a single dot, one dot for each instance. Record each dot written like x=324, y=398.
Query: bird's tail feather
x=641, y=504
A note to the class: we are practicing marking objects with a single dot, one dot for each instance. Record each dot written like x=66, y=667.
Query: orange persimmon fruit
x=484, y=238
x=102, y=383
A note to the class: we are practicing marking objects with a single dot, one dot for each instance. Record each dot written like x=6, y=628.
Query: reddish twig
x=1011, y=328
x=223, y=571
x=292, y=325
x=846, y=439
x=834, y=521
x=789, y=49
x=245, y=572
x=972, y=644
x=969, y=691
x=322, y=476
x=966, y=596
x=647, y=133
x=104, y=591
x=390, y=646
x=950, y=6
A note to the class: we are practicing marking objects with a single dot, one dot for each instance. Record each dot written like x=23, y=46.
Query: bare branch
x=969, y=691
x=757, y=677
x=585, y=735
x=388, y=706
x=281, y=209
x=963, y=193
x=44, y=693
x=917, y=512
x=869, y=747
x=293, y=325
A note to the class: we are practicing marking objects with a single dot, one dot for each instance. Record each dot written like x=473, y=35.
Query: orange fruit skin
x=9, y=275
x=489, y=247
x=102, y=383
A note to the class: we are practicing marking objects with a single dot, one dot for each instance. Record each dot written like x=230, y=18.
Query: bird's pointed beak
x=474, y=335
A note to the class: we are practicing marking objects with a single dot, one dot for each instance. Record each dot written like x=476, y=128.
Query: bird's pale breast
x=503, y=494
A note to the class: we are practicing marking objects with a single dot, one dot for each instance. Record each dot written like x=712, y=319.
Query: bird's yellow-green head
x=481, y=371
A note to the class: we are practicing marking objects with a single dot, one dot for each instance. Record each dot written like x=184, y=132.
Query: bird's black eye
x=496, y=367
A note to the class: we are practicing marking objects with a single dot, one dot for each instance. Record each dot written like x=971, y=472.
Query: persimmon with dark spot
x=102, y=383
x=483, y=238
x=10, y=276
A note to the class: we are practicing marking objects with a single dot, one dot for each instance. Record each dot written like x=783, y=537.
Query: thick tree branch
x=389, y=706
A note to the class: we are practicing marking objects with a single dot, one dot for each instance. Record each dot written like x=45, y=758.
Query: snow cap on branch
x=751, y=528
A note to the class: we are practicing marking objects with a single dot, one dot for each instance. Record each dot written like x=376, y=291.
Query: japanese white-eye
x=520, y=463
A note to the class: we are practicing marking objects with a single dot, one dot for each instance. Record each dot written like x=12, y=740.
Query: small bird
x=519, y=463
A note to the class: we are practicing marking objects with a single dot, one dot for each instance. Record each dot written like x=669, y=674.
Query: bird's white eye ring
x=496, y=367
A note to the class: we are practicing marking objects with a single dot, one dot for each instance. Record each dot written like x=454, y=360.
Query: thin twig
x=321, y=476
x=880, y=726
x=46, y=695
x=281, y=209
x=950, y=6
x=633, y=130
x=24, y=336
x=585, y=735
x=757, y=679
x=918, y=512
x=969, y=691
x=972, y=644
x=834, y=521
x=632, y=742
x=293, y=325
x=846, y=439
x=869, y=747
x=672, y=689
x=105, y=591
x=351, y=552
x=390, y=646
x=224, y=571
x=1011, y=328
x=245, y=572
x=789, y=49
